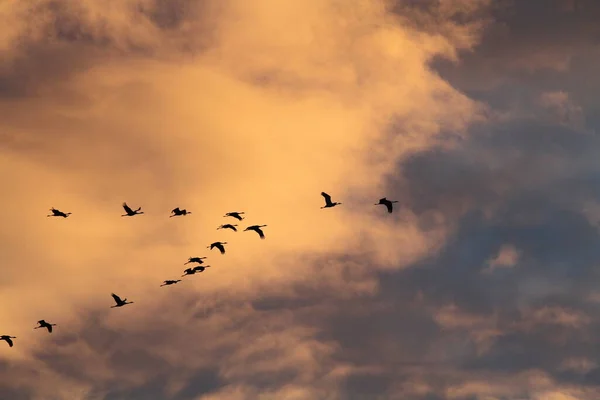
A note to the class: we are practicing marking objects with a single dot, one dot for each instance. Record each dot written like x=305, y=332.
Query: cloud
x=218, y=106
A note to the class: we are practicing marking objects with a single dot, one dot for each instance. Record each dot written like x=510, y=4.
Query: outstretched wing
x=327, y=197
x=390, y=206
x=128, y=209
x=176, y=210
x=117, y=298
x=260, y=233
x=49, y=328
x=9, y=341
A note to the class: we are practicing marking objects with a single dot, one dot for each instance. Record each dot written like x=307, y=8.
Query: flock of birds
x=238, y=215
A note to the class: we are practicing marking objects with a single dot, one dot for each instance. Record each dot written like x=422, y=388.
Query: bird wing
x=389, y=206
x=127, y=208
x=9, y=341
x=233, y=228
x=49, y=328
x=176, y=210
x=260, y=233
x=327, y=198
x=41, y=322
x=117, y=298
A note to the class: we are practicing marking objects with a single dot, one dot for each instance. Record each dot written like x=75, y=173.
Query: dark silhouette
x=387, y=203
x=192, y=271
x=218, y=245
x=196, y=260
x=7, y=339
x=256, y=228
x=328, y=203
x=57, y=213
x=44, y=324
x=228, y=226
x=170, y=282
x=129, y=212
x=177, y=211
x=120, y=303
x=235, y=214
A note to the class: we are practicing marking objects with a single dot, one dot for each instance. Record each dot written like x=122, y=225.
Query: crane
x=120, y=303
x=235, y=214
x=328, y=202
x=8, y=339
x=192, y=271
x=218, y=245
x=256, y=228
x=387, y=203
x=44, y=324
x=196, y=260
x=170, y=282
x=57, y=213
x=228, y=226
x=177, y=211
x=129, y=212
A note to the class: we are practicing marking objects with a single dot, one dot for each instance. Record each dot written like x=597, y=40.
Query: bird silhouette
x=218, y=245
x=129, y=212
x=196, y=260
x=170, y=282
x=120, y=303
x=57, y=213
x=228, y=226
x=7, y=339
x=44, y=324
x=192, y=271
x=235, y=214
x=177, y=211
x=328, y=202
x=387, y=203
x=256, y=228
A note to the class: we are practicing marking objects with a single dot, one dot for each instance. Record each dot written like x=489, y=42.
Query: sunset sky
x=479, y=117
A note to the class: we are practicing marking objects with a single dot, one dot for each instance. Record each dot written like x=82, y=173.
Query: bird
x=7, y=339
x=387, y=203
x=196, y=260
x=218, y=245
x=129, y=212
x=120, y=303
x=192, y=271
x=177, y=211
x=44, y=324
x=57, y=213
x=328, y=202
x=256, y=228
x=235, y=214
x=228, y=226
x=170, y=282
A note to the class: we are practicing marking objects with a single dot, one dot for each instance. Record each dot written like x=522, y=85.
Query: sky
x=479, y=117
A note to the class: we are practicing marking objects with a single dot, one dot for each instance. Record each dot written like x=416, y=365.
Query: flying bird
x=228, y=226
x=44, y=324
x=129, y=212
x=218, y=245
x=256, y=228
x=387, y=203
x=120, y=303
x=196, y=260
x=170, y=282
x=57, y=213
x=192, y=271
x=328, y=202
x=7, y=339
x=177, y=211
x=235, y=214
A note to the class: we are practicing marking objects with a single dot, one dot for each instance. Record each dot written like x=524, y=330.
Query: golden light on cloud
x=216, y=106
